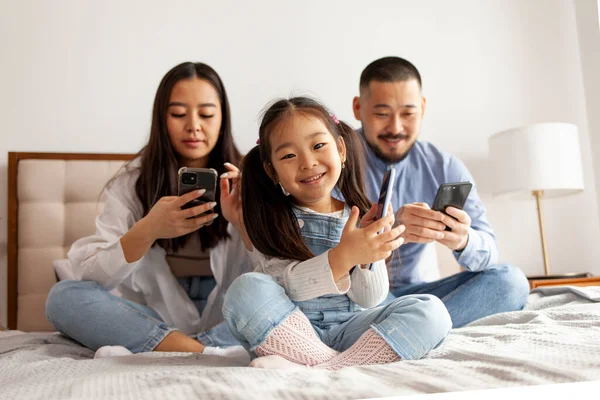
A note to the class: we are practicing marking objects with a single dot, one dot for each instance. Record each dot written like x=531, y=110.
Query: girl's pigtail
x=351, y=182
x=268, y=216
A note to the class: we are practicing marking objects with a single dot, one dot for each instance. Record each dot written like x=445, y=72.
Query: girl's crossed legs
x=268, y=323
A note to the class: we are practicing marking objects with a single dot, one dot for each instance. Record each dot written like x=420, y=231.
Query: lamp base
x=568, y=275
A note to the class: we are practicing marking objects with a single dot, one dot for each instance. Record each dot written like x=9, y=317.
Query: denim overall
x=322, y=233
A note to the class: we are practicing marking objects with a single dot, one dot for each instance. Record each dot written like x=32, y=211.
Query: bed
x=53, y=199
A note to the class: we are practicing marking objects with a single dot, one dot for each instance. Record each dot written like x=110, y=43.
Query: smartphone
x=190, y=179
x=385, y=194
x=385, y=197
x=451, y=195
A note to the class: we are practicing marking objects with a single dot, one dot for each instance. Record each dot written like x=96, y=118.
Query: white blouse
x=149, y=281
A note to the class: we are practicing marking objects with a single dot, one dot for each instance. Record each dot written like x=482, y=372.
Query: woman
x=138, y=282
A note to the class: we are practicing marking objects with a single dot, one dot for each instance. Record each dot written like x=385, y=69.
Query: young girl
x=319, y=272
x=152, y=278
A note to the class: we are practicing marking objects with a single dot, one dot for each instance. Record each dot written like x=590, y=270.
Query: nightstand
x=587, y=281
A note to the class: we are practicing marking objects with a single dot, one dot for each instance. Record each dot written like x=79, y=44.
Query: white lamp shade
x=537, y=157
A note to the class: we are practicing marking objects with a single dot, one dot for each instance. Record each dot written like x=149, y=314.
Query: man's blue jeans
x=472, y=295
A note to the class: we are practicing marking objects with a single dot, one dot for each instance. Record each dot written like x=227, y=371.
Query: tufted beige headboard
x=53, y=199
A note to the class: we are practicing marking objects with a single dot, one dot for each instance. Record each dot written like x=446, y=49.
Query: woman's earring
x=343, y=164
x=285, y=192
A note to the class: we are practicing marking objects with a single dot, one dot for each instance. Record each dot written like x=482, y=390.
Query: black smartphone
x=190, y=179
x=385, y=197
x=451, y=195
x=385, y=193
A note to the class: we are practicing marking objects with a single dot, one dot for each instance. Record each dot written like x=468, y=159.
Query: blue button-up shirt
x=418, y=177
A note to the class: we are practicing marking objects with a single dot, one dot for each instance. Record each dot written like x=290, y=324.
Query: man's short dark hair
x=389, y=69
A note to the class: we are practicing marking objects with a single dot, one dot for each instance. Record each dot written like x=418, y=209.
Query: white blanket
x=555, y=339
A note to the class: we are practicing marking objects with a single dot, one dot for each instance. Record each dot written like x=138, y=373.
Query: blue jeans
x=89, y=314
x=412, y=325
x=472, y=295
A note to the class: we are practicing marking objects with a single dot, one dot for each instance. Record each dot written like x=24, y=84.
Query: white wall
x=80, y=77
x=588, y=28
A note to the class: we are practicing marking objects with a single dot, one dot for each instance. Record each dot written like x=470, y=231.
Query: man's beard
x=386, y=158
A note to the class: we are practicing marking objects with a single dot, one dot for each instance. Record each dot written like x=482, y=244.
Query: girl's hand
x=369, y=217
x=363, y=245
x=167, y=220
x=231, y=202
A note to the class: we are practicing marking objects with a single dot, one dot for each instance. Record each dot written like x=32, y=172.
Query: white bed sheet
x=555, y=339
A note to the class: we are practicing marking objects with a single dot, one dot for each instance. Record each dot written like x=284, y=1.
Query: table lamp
x=543, y=160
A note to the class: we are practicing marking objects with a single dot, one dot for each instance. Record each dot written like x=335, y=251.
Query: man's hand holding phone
x=447, y=223
x=423, y=225
x=459, y=223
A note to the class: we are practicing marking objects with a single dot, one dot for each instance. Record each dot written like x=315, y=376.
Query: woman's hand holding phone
x=167, y=220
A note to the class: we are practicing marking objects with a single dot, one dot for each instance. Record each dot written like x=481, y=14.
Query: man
x=391, y=107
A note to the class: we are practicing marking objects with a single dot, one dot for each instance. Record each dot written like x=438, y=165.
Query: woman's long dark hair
x=159, y=164
x=268, y=215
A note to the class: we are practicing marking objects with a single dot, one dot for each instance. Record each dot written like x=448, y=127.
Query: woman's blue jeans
x=89, y=314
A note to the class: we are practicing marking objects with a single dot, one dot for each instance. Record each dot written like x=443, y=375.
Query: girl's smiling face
x=307, y=160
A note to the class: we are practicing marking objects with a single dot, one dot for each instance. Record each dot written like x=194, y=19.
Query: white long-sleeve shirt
x=305, y=280
x=149, y=281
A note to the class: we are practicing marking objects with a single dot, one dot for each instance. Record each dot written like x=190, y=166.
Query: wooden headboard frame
x=13, y=214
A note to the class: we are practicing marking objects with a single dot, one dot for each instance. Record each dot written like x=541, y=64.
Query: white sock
x=275, y=362
x=111, y=351
x=238, y=353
